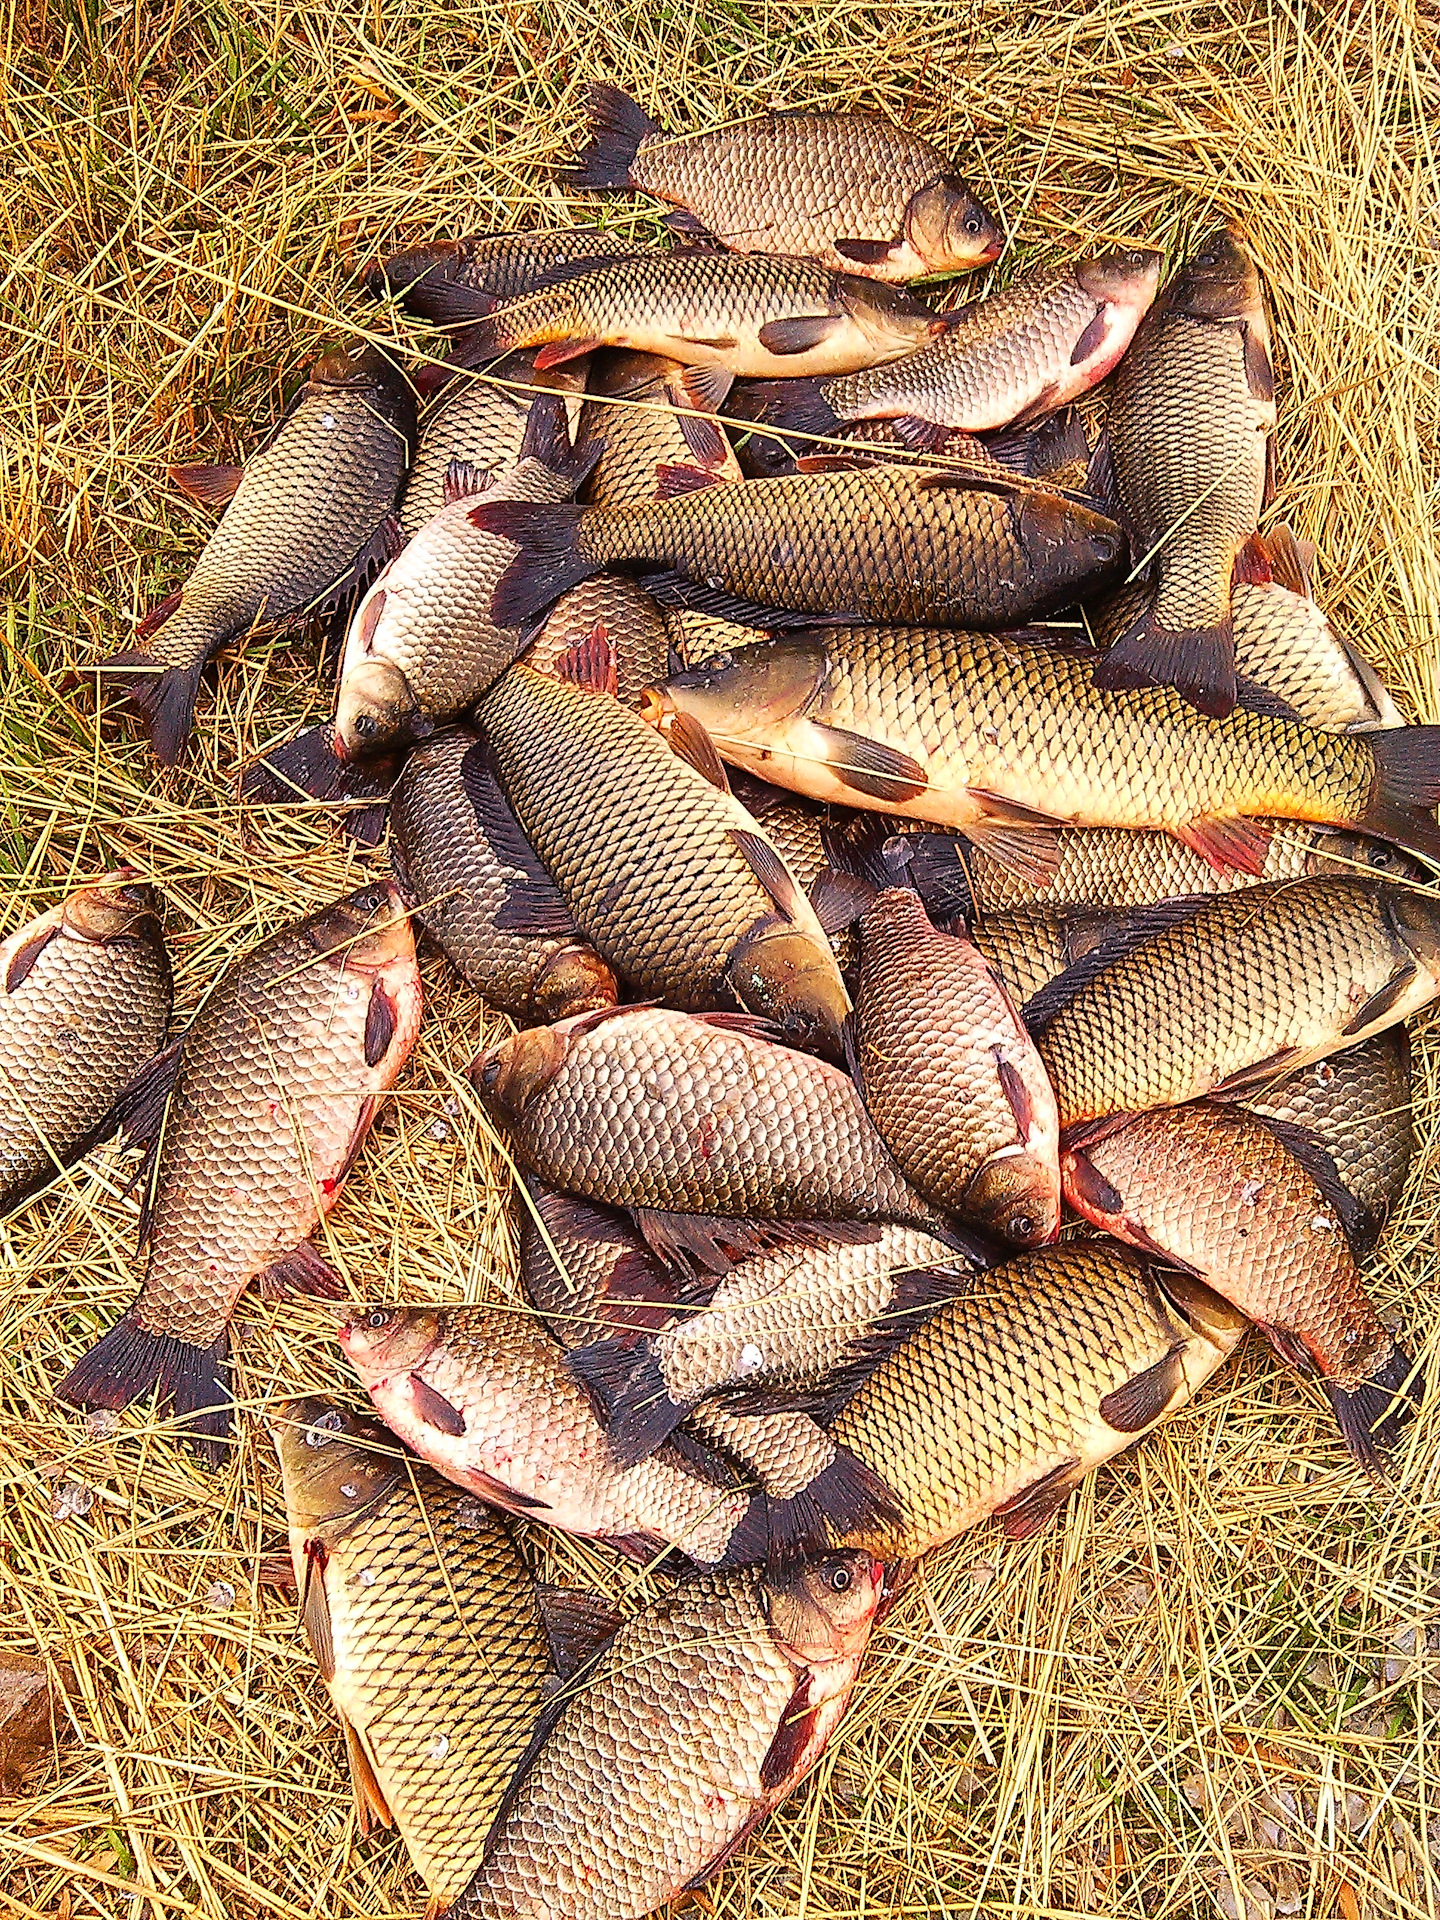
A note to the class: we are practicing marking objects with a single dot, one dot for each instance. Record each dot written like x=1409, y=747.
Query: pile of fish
x=893, y=805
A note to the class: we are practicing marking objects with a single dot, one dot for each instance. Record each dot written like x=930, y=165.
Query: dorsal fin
x=1140, y=925
x=591, y=663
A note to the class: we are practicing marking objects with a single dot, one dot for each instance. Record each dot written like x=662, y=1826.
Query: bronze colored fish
x=1188, y=433
x=1001, y=1402
x=311, y=517
x=1215, y=1191
x=478, y=419
x=452, y=280
x=609, y=611
x=642, y=419
x=259, y=1112
x=84, y=1004
x=699, y=1718
x=849, y=189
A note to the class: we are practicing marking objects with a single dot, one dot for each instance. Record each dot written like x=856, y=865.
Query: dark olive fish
x=638, y=413
x=452, y=280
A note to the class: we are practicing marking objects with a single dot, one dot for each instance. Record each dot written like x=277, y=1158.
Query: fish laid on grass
x=309, y=520
x=257, y=1114
x=478, y=419
x=84, y=1004
x=1264, y=1222
x=1008, y=739
x=850, y=189
x=451, y=280
x=701, y=1715
x=638, y=413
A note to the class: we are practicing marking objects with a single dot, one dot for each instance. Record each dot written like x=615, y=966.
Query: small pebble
x=220, y=1596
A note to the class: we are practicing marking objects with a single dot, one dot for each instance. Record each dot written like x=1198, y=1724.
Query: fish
x=1007, y=739
x=629, y=624
x=721, y=315
x=482, y=1393
x=940, y=545
x=1032, y=945
x=638, y=412
x=1000, y=1403
x=254, y=1118
x=1283, y=640
x=1262, y=1220
x=308, y=521
x=950, y=1077
x=1228, y=995
x=802, y=830
x=85, y=992
x=700, y=1717
x=449, y=280
x=659, y=866
x=427, y=1630
x=698, y=1125
x=457, y=866
x=1007, y=360
x=699, y=637
x=1356, y=1105
x=852, y=190
x=1188, y=440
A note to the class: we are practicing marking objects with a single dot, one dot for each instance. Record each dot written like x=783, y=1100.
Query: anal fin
x=1025, y=1513
x=372, y=1809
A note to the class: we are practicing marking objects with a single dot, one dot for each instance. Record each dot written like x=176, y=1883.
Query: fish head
x=334, y=1462
x=119, y=907
x=1016, y=1196
x=1219, y=281
x=948, y=230
x=368, y=931
x=824, y=1611
x=375, y=709
x=1199, y=1310
x=367, y=367
x=380, y=1342
x=745, y=695
x=577, y=980
x=1067, y=547
x=1349, y=852
x=1122, y=276
x=430, y=265
x=510, y=1076
x=784, y=974
x=1415, y=916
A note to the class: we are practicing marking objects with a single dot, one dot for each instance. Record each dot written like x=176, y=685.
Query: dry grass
x=1220, y=1672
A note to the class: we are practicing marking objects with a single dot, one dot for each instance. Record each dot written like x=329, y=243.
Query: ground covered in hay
x=1215, y=1686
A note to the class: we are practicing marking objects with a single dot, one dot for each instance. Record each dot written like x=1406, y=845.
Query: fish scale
x=473, y=420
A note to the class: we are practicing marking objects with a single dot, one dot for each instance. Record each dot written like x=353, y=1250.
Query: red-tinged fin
x=463, y=481
x=559, y=353
x=372, y=1809
x=704, y=437
x=1227, y=842
x=164, y=697
x=434, y=1409
x=1140, y=1402
x=315, y=1609
x=618, y=126
x=129, y=1360
x=672, y=480
x=839, y=899
x=627, y=1383
x=1026, y=1513
x=303, y=1272
x=1291, y=561
x=152, y=622
x=1017, y=1094
x=591, y=664
x=1087, y=1189
x=1259, y=374
x=1032, y=854
x=706, y=387
x=209, y=486
x=25, y=956
x=1199, y=662
x=690, y=742
x=379, y=1024
x=789, y=1749
x=695, y=1243
x=578, y=1624
x=844, y=1500
x=1381, y=1002
x=1092, y=338
x=549, y=562
x=1373, y=1416
x=1252, y=563
x=870, y=767
x=370, y=620
x=770, y=870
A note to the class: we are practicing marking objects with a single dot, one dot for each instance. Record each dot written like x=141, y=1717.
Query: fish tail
x=1406, y=789
x=129, y=1360
x=163, y=696
x=1372, y=1416
x=1199, y=662
x=308, y=765
x=629, y=1385
x=547, y=439
x=618, y=127
x=846, y=1500
x=549, y=562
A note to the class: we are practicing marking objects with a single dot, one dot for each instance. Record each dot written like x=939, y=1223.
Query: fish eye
x=1021, y=1226
x=1205, y=259
x=840, y=1579
x=1135, y=258
x=377, y=1319
x=972, y=223
x=365, y=726
x=490, y=1073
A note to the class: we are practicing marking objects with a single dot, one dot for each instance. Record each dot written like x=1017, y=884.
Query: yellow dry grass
x=1215, y=1686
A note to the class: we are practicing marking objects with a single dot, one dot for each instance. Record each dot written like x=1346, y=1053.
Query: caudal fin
x=308, y=767
x=164, y=697
x=797, y=406
x=1199, y=662
x=618, y=126
x=629, y=1384
x=129, y=1360
x=549, y=562
x=1372, y=1416
x=1405, y=790
x=847, y=1501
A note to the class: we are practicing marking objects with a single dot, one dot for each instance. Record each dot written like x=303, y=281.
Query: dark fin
x=690, y=231
x=690, y=742
x=725, y=1856
x=1026, y=1513
x=1139, y=925
x=1245, y=1082
x=797, y=406
x=437, y=1411
x=1259, y=374
x=152, y=622
x=25, y=956
x=1032, y=854
x=1317, y=1161
x=706, y=387
x=1142, y=1400
x=533, y=904
x=1100, y=482
x=865, y=253
x=210, y=486
x=1037, y=408
x=463, y=480
x=1406, y=827
x=1017, y=1094
x=139, y=1110
x=164, y=697
x=304, y=1270
x=939, y=875
x=315, y=1609
x=128, y=1360
x=1090, y=339
x=869, y=766
x=850, y=1048
x=1199, y=662
x=770, y=870
x=692, y=1242
x=1379, y=1004
x=560, y=353
x=379, y=1025
x=674, y=590
x=578, y=1624
x=591, y=664
x=645, y=1547
x=372, y=1809
x=1251, y=697
x=1373, y=1416
x=868, y=847
x=702, y=436
x=495, y=1493
x=1088, y=1186
x=618, y=126
x=549, y=562
x=792, y=1736
x=309, y=767
x=382, y=546
x=1227, y=842
x=946, y=481
x=798, y=335
x=1407, y=767
x=672, y=480
x=1038, y=451
x=629, y=1383
x=839, y=899
x=844, y=1499
x=921, y=436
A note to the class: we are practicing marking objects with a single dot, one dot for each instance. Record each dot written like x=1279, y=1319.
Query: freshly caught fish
x=849, y=189
x=950, y=1077
x=459, y=865
x=311, y=518
x=639, y=414
x=1215, y=1191
x=84, y=1004
x=720, y=314
x=703, y=1713
x=426, y=1627
x=802, y=831
x=938, y=545
x=1283, y=641
x=699, y=637
x=1188, y=434
x=258, y=1113
x=1006, y=740
x=678, y=1116
x=662, y=870
x=451, y=280
x=483, y=1394
x=1031, y=946
x=478, y=419
x=1235, y=993
x=1357, y=1106
x=610, y=610
x=1001, y=1403
x=1003, y=361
